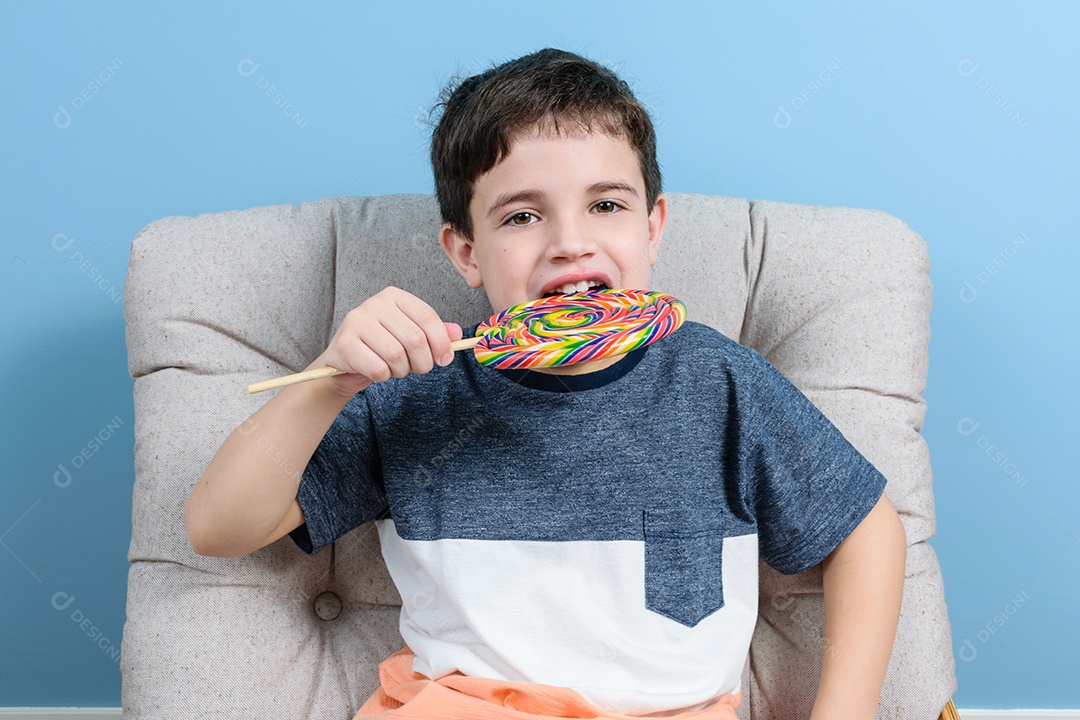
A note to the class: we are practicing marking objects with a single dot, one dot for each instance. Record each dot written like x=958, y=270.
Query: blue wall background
x=961, y=120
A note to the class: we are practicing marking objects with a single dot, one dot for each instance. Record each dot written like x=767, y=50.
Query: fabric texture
x=603, y=539
x=838, y=299
x=407, y=695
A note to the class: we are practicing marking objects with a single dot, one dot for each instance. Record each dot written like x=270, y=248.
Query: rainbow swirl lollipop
x=577, y=328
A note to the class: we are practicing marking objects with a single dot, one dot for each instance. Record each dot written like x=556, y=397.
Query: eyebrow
x=537, y=195
x=608, y=186
x=514, y=197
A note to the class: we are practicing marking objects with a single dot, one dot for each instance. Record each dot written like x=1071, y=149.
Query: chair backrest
x=837, y=298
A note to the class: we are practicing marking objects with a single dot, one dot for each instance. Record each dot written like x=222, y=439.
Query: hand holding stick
x=328, y=371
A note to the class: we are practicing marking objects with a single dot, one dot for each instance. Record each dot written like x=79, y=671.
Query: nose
x=570, y=240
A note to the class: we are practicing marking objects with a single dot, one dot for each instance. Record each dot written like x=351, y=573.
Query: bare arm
x=246, y=499
x=863, y=582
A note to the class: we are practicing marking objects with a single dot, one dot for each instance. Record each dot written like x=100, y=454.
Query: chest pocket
x=683, y=553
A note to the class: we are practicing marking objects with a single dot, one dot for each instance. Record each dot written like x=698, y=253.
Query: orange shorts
x=405, y=695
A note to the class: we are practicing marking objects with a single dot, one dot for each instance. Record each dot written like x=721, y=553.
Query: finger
x=355, y=359
x=368, y=347
x=363, y=359
x=400, y=347
x=436, y=346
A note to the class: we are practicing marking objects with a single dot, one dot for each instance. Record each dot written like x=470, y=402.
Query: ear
x=657, y=221
x=460, y=251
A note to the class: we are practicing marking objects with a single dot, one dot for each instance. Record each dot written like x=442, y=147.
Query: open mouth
x=578, y=287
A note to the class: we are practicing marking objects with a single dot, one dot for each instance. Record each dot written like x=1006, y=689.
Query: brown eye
x=521, y=218
x=606, y=206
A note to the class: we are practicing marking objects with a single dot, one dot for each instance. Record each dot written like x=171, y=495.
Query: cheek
x=637, y=263
x=505, y=266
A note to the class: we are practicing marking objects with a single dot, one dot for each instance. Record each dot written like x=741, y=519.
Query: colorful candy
x=576, y=328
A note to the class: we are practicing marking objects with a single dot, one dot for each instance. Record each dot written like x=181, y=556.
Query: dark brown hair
x=484, y=113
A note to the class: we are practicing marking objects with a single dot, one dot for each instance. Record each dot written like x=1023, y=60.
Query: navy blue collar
x=573, y=383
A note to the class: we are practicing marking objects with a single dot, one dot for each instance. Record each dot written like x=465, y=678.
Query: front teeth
x=578, y=287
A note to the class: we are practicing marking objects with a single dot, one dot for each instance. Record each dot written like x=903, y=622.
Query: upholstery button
x=328, y=606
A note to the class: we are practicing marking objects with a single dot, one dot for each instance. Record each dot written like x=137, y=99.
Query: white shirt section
x=569, y=614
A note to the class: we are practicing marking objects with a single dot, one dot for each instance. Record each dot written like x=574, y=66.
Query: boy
x=593, y=553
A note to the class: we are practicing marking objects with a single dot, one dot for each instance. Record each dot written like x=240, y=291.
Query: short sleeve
x=341, y=487
x=809, y=487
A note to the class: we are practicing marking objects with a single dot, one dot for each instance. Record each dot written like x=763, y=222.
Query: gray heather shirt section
x=701, y=438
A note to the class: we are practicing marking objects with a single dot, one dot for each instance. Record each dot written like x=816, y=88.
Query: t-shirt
x=605, y=537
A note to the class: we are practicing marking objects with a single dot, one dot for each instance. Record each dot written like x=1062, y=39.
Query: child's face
x=559, y=213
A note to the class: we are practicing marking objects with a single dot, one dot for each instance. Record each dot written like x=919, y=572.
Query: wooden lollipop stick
x=328, y=371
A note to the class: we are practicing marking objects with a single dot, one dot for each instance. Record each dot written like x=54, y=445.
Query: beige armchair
x=837, y=298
